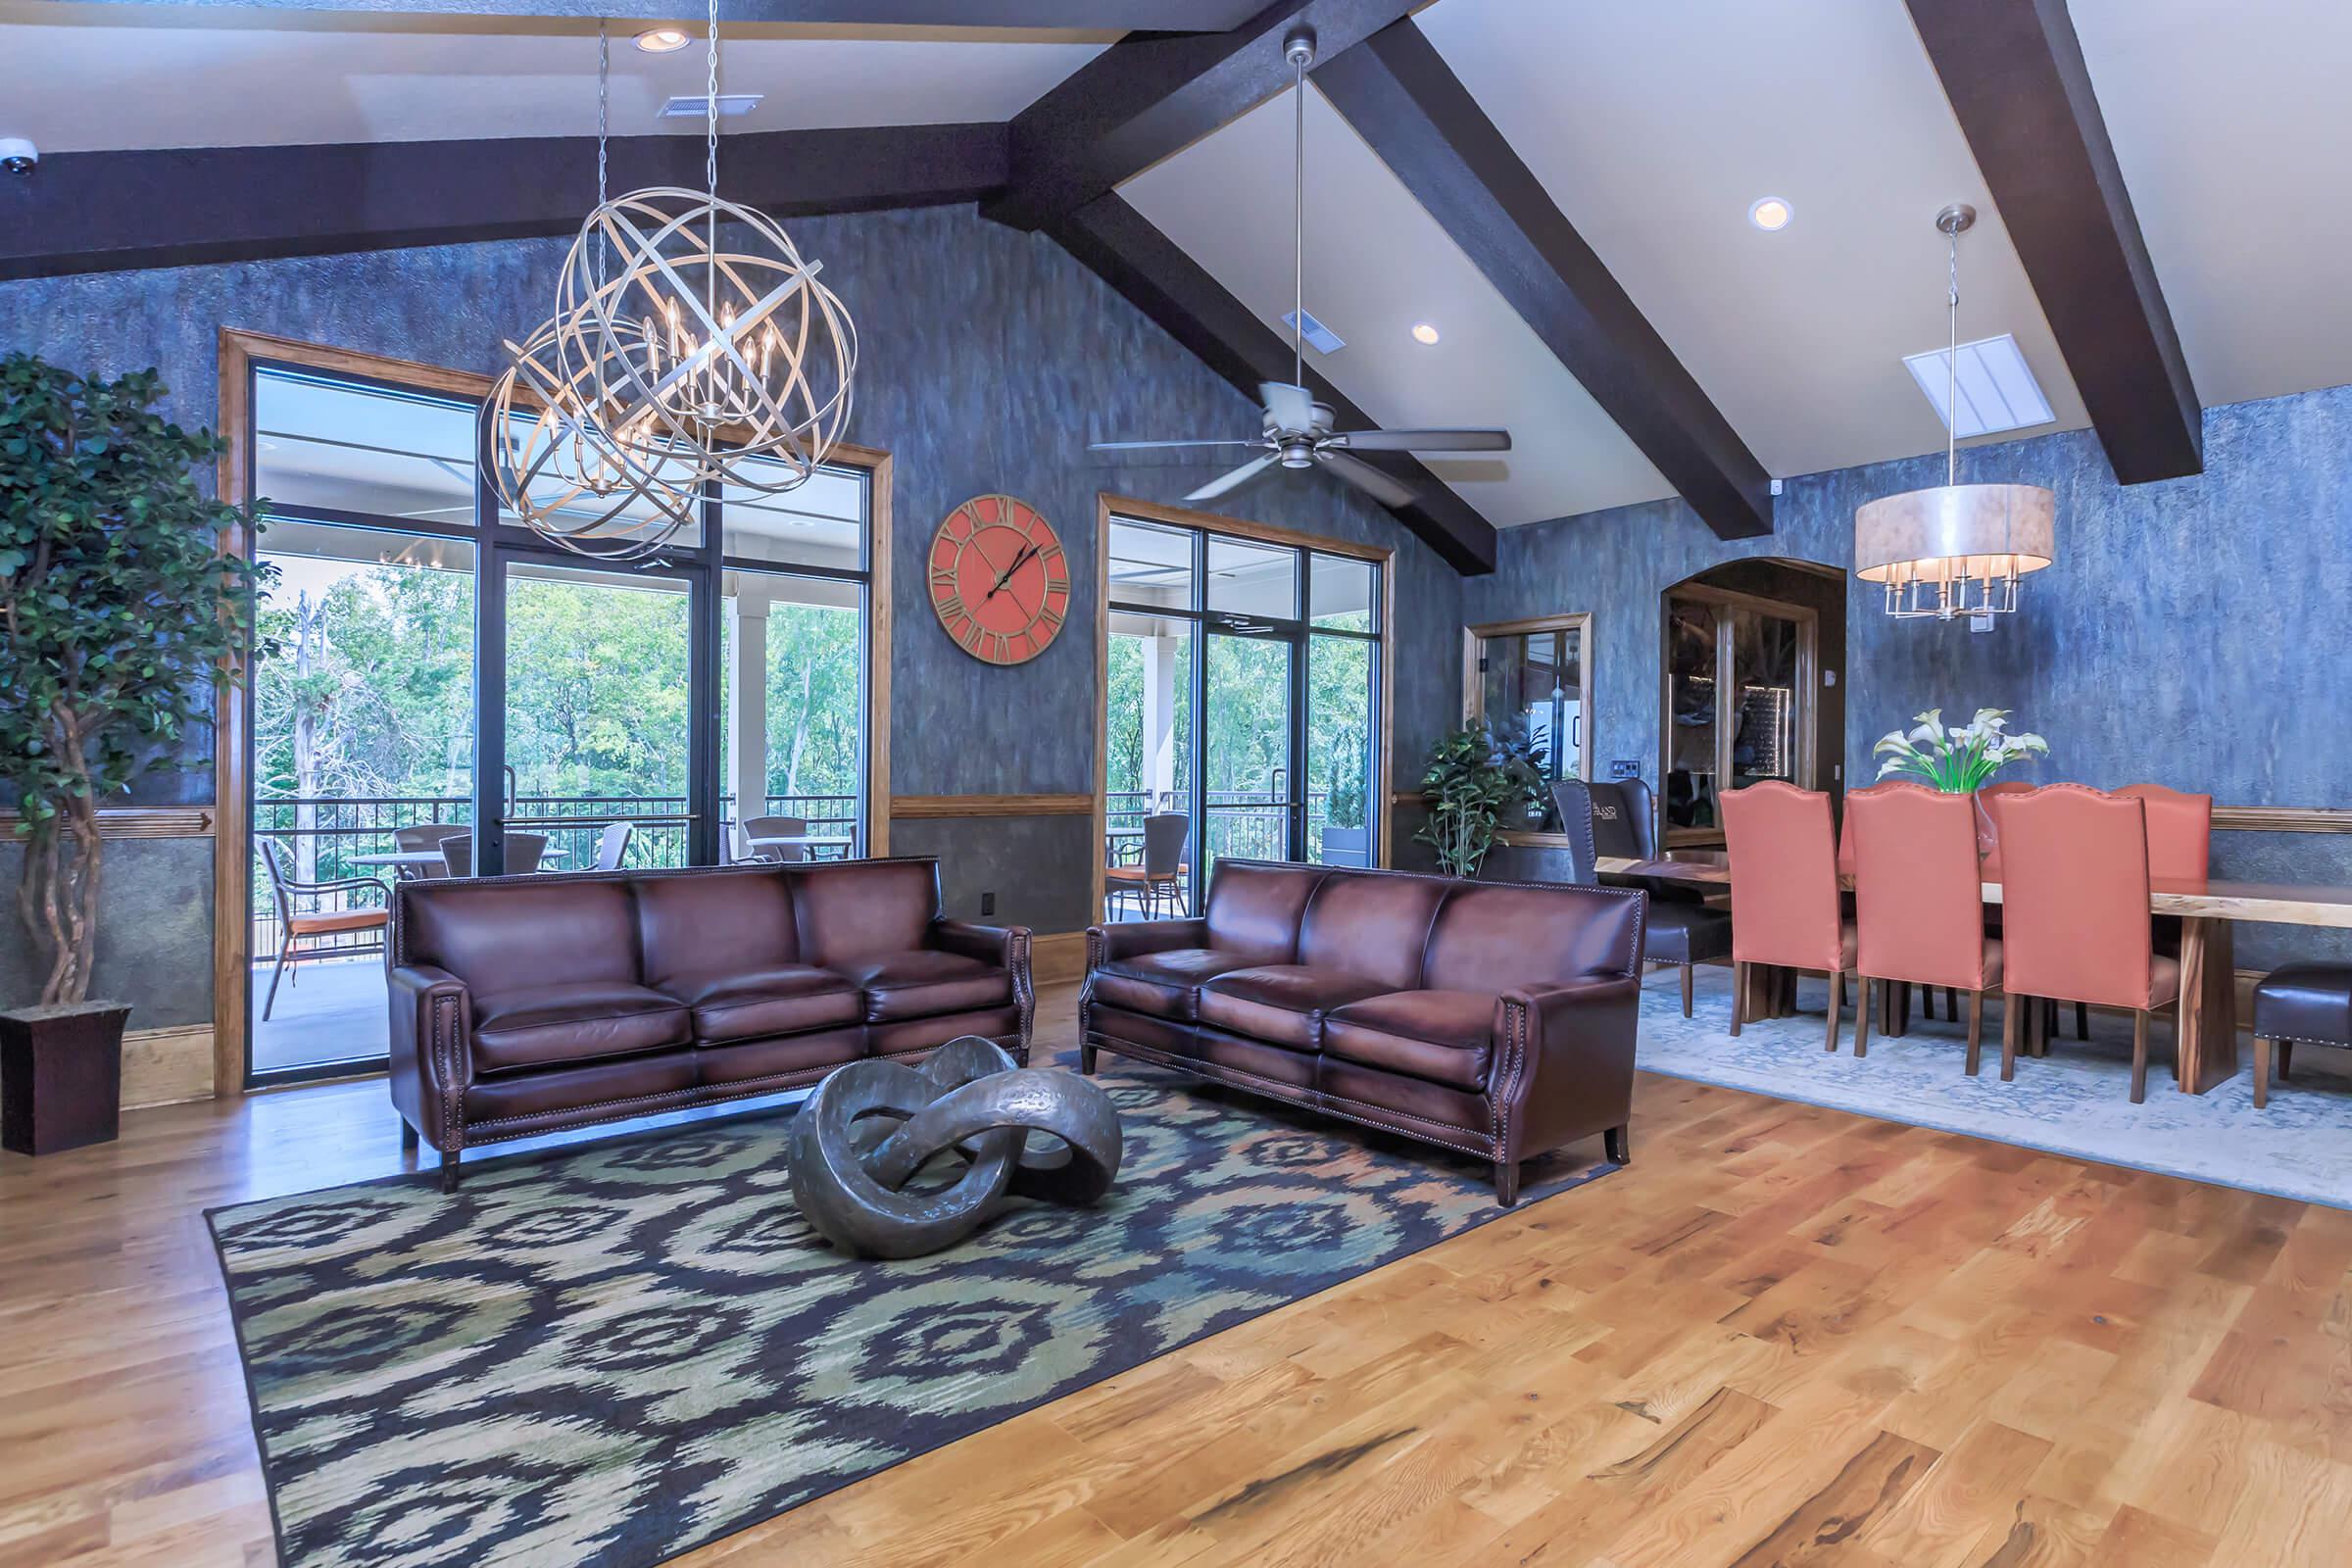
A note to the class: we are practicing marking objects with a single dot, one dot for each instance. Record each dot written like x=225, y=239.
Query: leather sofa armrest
x=433, y=1051
x=1006, y=946
x=989, y=944
x=1126, y=939
x=1566, y=1066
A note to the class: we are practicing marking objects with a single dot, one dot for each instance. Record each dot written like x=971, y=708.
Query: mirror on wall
x=1537, y=672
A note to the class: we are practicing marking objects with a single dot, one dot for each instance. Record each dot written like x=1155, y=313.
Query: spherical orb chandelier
x=711, y=340
x=555, y=467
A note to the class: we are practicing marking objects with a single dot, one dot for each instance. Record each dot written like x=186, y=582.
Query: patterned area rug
x=611, y=1354
x=2076, y=1100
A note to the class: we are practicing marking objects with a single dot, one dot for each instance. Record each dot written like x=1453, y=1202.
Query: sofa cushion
x=852, y=911
x=1162, y=984
x=1283, y=1002
x=1371, y=923
x=1495, y=937
x=782, y=999
x=538, y=1026
x=1255, y=909
x=918, y=984
x=714, y=922
x=520, y=932
x=1447, y=1036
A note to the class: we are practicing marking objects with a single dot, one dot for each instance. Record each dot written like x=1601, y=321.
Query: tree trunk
x=307, y=630
x=800, y=731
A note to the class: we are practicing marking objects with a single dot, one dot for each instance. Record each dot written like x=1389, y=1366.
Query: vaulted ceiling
x=1561, y=191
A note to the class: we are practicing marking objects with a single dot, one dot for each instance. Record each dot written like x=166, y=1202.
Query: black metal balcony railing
x=324, y=835
x=1245, y=825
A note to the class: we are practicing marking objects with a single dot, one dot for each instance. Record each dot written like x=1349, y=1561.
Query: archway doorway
x=1752, y=687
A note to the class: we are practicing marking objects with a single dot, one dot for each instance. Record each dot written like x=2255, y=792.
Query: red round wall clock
x=999, y=579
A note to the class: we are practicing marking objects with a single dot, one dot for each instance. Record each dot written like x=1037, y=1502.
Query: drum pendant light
x=1956, y=549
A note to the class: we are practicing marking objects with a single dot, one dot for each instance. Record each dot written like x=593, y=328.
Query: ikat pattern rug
x=603, y=1355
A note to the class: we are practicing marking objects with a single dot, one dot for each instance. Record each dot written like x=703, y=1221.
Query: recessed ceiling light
x=663, y=41
x=1769, y=213
x=1423, y=332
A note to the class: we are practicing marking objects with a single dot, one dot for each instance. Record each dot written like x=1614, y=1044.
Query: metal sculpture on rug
x=872, y=1125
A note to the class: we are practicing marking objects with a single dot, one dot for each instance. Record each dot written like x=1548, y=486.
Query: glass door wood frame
x=1203, y=526
x=1474, y=697
x=1807, y=688
x=243, y=353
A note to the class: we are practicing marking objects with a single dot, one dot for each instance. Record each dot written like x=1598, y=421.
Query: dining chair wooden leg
x=2262, y=1071
x=1976, y=1031
x=1738, y=996
x=2009, y=1008
x=2287, y=1060
x=2081, y=1020
x=1685, y=968
x=1837, y=991
x=2140, y=1055
x=1926, y=1001
x=1951, y=1002
x=1863, y=984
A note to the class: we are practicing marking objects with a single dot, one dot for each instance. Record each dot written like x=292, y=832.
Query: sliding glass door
x=454, y=696
x=1242, y=703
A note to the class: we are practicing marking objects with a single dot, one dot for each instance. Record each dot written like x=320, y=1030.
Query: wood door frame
x=1108, y=506
x=1474, y=690
x=233, y=727
x=1807, y=691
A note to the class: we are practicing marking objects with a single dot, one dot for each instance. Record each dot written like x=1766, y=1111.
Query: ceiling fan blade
x=1291, y=408
x=1366, y=477
x=1234, y=480
x=1146, y=445
x=1421, y=441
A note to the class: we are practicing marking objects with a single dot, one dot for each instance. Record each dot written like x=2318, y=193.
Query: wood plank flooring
x=1785, y=1336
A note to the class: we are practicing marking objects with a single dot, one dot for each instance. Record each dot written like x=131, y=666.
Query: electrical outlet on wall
x=988, y=903
x=1620, y=769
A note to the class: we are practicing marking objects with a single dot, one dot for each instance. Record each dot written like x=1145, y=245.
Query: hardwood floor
x=1786, y=1334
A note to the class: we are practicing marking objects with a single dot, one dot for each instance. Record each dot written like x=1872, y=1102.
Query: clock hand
x=1005, y=576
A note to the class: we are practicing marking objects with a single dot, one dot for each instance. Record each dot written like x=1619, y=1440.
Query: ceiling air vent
x=1323, y=339
x=1995, y=387
x=731, y=105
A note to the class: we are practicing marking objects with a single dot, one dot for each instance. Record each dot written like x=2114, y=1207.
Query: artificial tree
x=119, y=615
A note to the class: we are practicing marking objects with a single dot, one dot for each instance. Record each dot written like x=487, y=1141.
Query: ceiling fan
x=1298, y=431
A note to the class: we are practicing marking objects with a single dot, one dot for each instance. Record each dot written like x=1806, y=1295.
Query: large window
x=454, y=695
x=1242, y=691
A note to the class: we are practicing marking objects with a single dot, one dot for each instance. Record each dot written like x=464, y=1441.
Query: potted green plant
x=1467, y=795
x=117, y=614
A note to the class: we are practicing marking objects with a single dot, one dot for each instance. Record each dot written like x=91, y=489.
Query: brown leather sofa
x=1494, y=1018
x=522, y=1004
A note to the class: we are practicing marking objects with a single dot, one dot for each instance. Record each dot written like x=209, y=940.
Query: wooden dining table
x=2207, y=910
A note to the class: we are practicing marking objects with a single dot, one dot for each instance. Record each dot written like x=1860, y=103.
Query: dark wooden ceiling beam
x=1409, y=105
x=2013, y=71
x=110, y=211
x=1030, y=16
x=1155, y=275
x=1147, y=97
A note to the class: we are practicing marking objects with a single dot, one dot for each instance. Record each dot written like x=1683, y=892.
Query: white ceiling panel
x=1377, y=263
x=2230, y=123
x=1656, y=126
x=103, y=77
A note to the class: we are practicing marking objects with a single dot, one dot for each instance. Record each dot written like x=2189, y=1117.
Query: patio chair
x=1160, y=881
x=421, y=838
x=762, y=828
x=613, y=845
x=523, y=852
x=286, y=891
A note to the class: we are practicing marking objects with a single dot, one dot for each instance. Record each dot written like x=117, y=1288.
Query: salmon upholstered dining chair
x=2043, y=1023
x=1784, y=913
x=2179, y=832
x=1990, y=798
x=1900, y=1004
x=2075, y=926
x=1918, y=901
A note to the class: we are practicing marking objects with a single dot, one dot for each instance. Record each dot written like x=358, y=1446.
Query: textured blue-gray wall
x=988, y=359
x=2191, y=633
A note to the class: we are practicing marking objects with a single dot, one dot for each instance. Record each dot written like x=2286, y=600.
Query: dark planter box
x=61, y=1077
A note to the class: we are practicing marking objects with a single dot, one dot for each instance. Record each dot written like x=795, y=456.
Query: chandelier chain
x=711, y=105
x=604, y=125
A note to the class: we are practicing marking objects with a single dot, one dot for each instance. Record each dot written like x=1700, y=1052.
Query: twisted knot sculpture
x=871, y=1125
